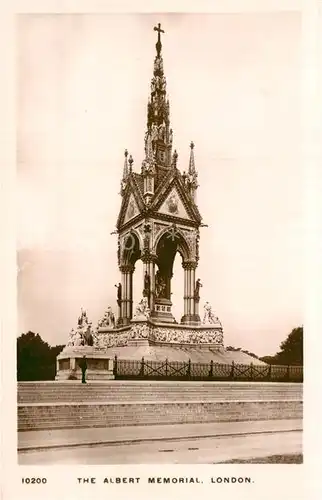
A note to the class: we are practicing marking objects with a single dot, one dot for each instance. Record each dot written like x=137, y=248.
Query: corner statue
x=108, y=319
x=209, y=317
x=82, y=318
x=197, y=290
x=142, y=309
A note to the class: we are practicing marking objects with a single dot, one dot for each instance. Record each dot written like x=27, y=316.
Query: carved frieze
x=103, y=340
x=187, y=336
x=171, y=335
x=139, y=331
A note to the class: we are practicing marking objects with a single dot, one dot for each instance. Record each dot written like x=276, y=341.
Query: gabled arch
x=174, y=234
x=130, y=247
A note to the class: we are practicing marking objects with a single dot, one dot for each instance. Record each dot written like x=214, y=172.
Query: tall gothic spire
x=158, y=137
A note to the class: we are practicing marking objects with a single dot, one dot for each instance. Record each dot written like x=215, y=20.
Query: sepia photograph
x=160, y=240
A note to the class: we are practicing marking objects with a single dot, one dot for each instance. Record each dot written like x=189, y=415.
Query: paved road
x=138, y=433
x=202, y=450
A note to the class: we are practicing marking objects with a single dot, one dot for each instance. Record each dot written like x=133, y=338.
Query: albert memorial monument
x=158, y=217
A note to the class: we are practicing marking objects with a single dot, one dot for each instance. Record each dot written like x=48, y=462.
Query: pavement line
x=146, y=440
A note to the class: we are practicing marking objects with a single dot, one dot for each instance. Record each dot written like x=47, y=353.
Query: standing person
x=83, y=367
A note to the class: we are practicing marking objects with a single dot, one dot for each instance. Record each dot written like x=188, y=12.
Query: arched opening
x=131, y=249
x=129, y=254
x=168, y=291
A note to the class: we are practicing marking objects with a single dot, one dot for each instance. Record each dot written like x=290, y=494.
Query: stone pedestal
x=162, y=311
x=99, y=365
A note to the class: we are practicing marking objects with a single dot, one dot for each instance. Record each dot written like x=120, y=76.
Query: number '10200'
x=34, y=480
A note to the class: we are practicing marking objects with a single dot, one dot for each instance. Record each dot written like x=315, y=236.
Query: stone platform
x=141, y=338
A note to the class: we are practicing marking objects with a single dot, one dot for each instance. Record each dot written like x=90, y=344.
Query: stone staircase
x=70, y=404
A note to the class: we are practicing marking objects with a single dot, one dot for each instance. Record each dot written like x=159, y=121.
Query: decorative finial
x=192, y=168
x=158, y=45
x=125, y=168
x=131, y=162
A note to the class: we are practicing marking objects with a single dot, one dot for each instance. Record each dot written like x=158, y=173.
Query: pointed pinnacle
x=192, y=168
x=125, y=168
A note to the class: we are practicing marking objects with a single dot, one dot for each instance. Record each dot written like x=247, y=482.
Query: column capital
x=126, y=268
x=189, y=265
x=148, y=257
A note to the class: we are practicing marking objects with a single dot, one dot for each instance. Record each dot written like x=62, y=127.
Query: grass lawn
x=274, y=459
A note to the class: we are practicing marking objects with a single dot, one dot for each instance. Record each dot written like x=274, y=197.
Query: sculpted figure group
x=83, y=336
x=209, y=318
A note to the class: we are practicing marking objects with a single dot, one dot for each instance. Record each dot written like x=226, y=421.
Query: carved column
x=189, y=316
x=185, y=291
x=192, y=289
x=127, y=293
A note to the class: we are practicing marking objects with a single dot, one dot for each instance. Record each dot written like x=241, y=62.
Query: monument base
x=144, y=338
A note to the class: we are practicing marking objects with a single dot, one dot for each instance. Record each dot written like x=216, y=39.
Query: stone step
x=161, y=399
x=93, y=387
x=88, y=388
x=59, y=405
x=114, y=385
x=166, y=395
x=143, y=398
x=64, y=392
x=107, y=415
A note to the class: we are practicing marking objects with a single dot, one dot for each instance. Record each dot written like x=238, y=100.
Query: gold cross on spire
x=158, y=44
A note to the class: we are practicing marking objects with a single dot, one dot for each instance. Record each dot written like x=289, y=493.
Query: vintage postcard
x=158, y=253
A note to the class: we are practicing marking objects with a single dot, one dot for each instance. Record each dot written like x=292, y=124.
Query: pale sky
x=233, y=82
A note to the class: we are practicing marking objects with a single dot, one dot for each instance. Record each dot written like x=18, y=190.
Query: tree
x=291, y=350
x=36, y=360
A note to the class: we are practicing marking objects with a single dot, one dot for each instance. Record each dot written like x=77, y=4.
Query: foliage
x=36, y=360
x=291, y=350
x=270, y=360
